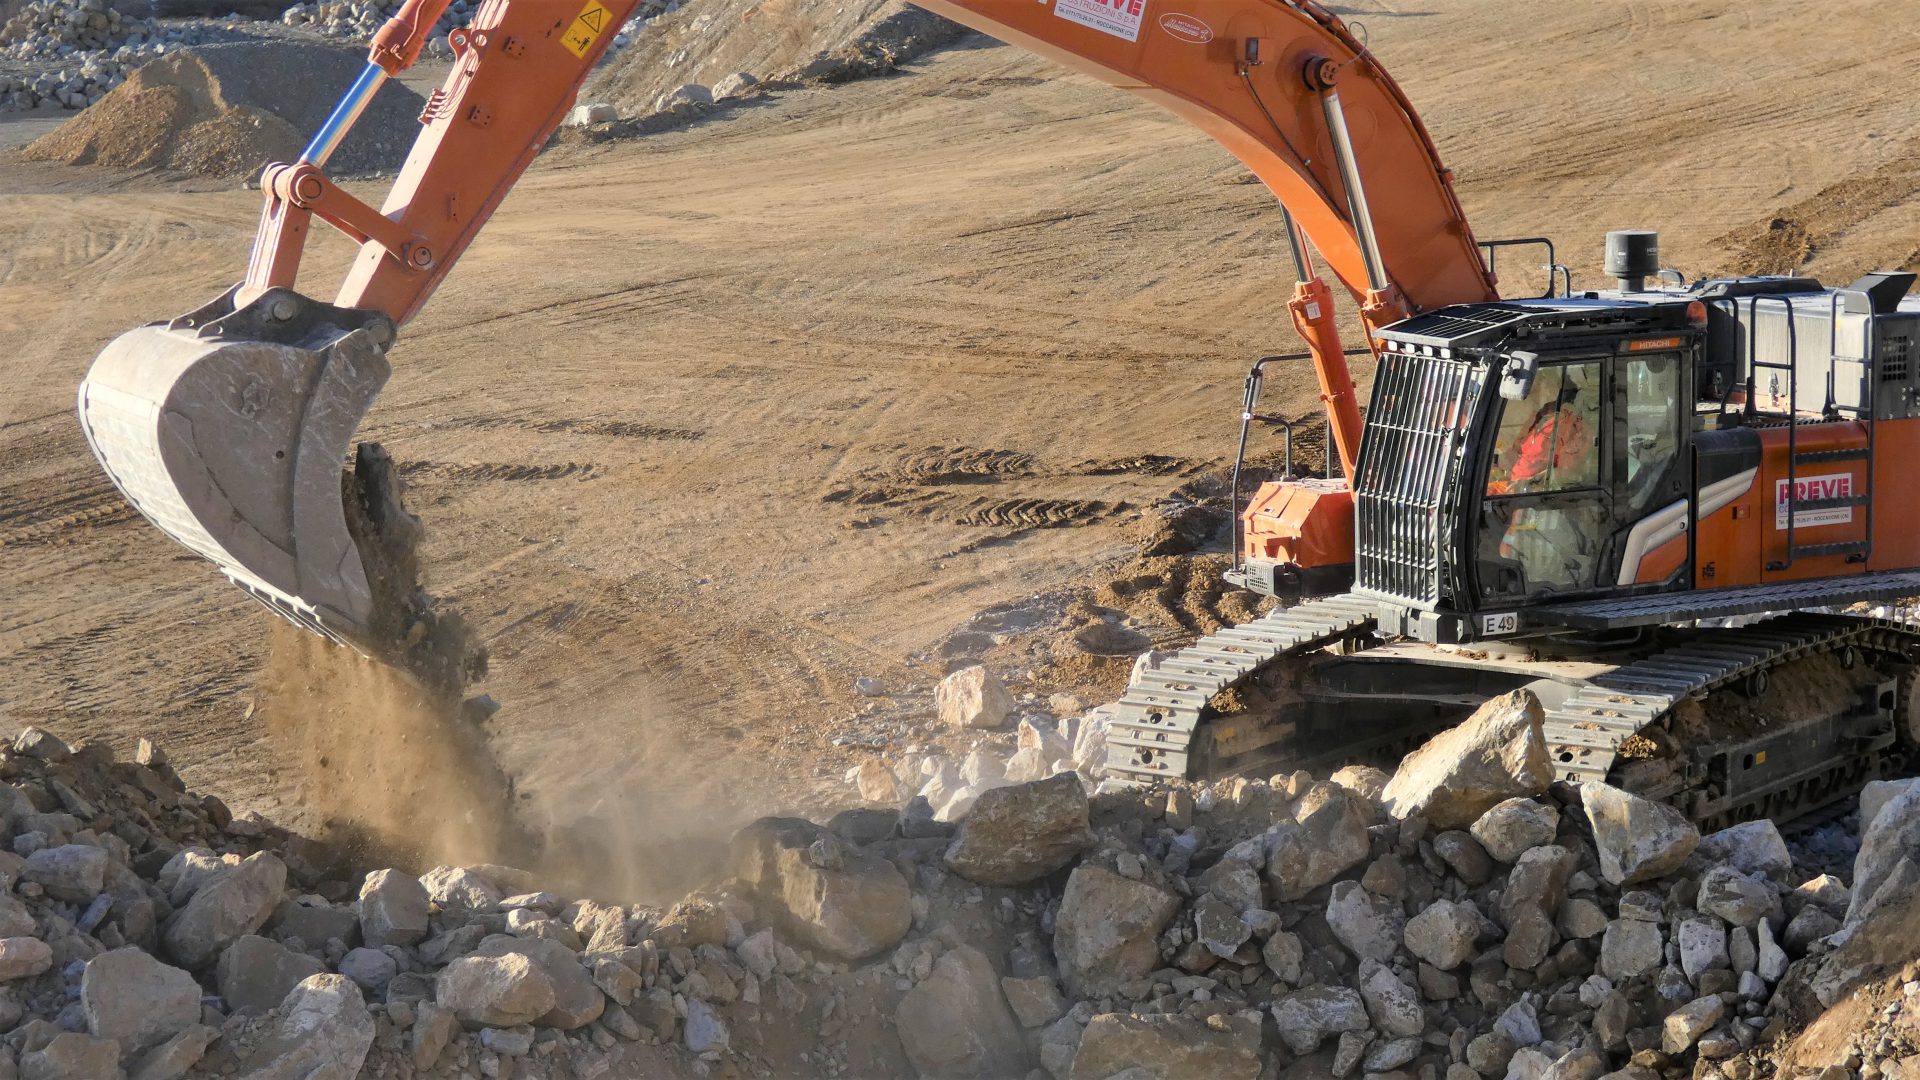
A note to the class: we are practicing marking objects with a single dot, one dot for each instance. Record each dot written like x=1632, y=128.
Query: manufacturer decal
x=1811, y=488
x=1121, y=18
x=1186, y=27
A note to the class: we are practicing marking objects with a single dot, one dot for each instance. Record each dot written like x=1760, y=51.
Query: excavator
x=1667, y=509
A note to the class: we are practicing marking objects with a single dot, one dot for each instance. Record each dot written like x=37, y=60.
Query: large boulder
x=314, y=924
x=1630, y=947
x=1328, y=839
x=1108, y=928
x=1877, y=944
x=1893, y=834
x=1738, y=898
x=394, y=908
x=1751, y=847
x=577, y=1000
x=1167, y=1046
x=1394, y=1006
x=1514, y=827
x=129, y=996
x=1877, y=794
x=1637, y=839
x=73, y=1056
x=254, y=975
x=705, y=1031
x=1498, y=753
x=1306, y=1018
x=1371, y=927
x=973, y=697
x=956, y=1022
x=1022, y=833
x=1444, y=934
x=458, y=889
x=832, y=896
x=1537, y=884
x=494, y=991
x=23, y=958
x=70, y=872
x=324, y=1033
x=227, y=910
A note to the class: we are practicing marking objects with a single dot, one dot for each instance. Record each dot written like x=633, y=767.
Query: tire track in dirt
x=1033, y=513
x=47, y=508
x=618, y=429
x=500, y=470
x=940, y=482
x=592, y=308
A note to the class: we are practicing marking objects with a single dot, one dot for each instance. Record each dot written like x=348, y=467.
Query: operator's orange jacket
x=1556, y=443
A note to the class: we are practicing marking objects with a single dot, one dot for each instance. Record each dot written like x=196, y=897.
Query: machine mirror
x=1516, y=379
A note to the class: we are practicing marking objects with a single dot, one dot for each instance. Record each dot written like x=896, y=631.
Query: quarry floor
x=708, y=424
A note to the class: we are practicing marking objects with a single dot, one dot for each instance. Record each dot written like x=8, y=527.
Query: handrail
x=1490, y=248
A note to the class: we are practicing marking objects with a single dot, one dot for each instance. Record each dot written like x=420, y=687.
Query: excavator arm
x=226, y=426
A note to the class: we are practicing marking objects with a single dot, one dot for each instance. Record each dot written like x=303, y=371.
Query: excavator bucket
x=227, y=428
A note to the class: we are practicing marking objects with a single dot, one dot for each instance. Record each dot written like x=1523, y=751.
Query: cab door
x=1547, y=509
x=1652, y=501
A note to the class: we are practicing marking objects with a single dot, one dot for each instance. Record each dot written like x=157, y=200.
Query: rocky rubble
x=703, y=54
x=59, y=28
x=1243, y=929
x=96, y=46
x=357, y=20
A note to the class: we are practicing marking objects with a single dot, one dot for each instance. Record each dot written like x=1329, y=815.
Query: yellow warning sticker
x=587, y=26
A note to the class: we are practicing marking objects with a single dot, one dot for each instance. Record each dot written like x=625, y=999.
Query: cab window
x=1652, y=392
x=1549, y=441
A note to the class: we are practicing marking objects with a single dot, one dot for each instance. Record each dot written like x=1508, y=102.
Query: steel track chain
x=1153, y=727
x=1584, y=733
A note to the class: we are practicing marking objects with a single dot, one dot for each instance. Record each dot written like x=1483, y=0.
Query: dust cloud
x=399, y=776
x=390, y=769
x=396, y=769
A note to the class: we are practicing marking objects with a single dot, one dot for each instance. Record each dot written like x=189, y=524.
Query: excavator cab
x=1578, y=457
x=1510, y=451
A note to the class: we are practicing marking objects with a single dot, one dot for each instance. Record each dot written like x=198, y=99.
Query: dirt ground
x=712, y=422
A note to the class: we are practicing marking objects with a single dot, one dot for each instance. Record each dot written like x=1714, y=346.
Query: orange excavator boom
x=226, y=426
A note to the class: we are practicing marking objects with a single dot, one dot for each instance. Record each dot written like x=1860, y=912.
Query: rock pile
x=357, y=20
x=682, y=64
x=971, y=702
x=1234, y=930
x=96, y=46
x=59, y=28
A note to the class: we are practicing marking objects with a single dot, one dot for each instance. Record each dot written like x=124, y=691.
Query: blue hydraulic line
x=327, y=140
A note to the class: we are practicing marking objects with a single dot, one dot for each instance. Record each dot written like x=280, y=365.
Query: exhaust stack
x=1633, y=256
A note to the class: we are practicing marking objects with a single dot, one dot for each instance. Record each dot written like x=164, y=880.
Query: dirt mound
x=226, y=110
x=772, y=40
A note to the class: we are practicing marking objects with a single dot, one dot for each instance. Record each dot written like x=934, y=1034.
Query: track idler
x=227, y=427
